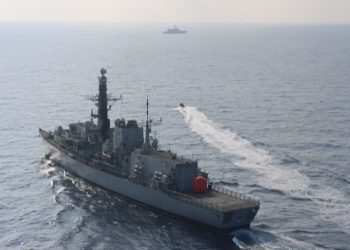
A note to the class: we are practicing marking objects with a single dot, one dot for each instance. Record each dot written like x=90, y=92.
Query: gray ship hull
x=175, y=32
x=153, y=198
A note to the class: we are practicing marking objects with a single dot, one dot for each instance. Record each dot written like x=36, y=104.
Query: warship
x=175, y=30
x=126, y=159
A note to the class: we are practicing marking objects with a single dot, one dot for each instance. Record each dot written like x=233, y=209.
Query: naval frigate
x=124, y=158
x=174, y=30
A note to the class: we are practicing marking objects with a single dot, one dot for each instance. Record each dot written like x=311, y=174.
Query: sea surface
x=267, y=114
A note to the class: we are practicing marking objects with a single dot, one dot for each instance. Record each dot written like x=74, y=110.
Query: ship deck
x=219, y=199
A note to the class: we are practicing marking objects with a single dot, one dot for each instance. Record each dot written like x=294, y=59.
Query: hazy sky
x=175, y=11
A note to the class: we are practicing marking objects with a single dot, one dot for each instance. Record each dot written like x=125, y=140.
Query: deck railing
x=210, y=204
x=234, y=194
x=195, y=201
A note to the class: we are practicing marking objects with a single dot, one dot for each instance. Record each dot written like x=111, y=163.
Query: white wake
x=251, y=157
x=333, y=205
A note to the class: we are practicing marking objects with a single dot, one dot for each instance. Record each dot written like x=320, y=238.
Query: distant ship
x=174, y=30
x=124, y=158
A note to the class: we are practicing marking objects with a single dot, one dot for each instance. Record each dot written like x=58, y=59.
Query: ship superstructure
x=125, y=159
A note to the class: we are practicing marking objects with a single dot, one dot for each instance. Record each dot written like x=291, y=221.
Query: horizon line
x=169, y=22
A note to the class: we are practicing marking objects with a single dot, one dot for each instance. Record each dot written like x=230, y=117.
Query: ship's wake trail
x=332, y=204
x=246, y=155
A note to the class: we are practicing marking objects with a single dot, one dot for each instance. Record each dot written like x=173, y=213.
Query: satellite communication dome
x=103, y=71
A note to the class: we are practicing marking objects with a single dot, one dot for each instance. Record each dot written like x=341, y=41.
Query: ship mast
x=146, y=147
x=103, y=123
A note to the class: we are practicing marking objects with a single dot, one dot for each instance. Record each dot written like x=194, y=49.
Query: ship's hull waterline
x=153, y=198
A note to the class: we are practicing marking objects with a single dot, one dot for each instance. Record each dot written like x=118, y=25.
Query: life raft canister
x=200, y=184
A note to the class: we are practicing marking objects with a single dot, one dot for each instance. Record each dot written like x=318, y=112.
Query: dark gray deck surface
x=223, y=201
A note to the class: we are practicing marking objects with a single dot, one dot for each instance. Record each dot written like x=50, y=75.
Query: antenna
x=101, y=101
x=109, y=98
x=146, y=147
x=147, y=111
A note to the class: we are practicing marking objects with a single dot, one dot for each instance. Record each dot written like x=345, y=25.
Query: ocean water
x=268, y=114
